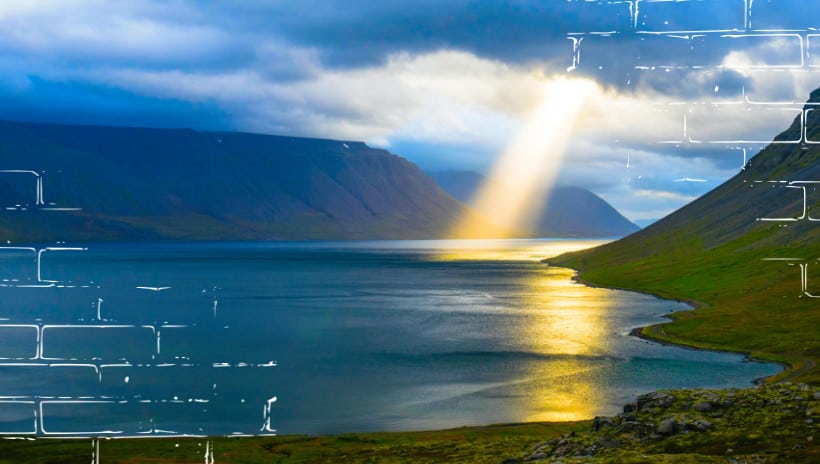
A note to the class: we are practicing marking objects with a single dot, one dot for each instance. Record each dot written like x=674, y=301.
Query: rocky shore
x=721, y=425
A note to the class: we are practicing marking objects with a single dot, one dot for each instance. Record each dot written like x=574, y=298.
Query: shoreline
x=638, y=333
x=643, y=332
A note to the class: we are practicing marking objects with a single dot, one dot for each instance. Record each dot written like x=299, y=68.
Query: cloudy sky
x=447, y=84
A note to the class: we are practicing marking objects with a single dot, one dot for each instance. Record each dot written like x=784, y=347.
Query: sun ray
x=519, y=181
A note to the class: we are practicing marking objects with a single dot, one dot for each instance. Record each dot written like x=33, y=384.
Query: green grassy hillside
x=714, y=251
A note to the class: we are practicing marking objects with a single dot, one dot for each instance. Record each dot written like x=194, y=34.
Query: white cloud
x=88, y=31
x=448, y=97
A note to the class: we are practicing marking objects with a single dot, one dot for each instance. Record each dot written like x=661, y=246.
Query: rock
x=640, y=430
x=628, y=427
x=654, y=400
x=601, y=422
x=817, y=395
x=703, y=406
x=702, y=424
x=630, y=407
x=541, y=446
x=605, y=442
x=563, y=451
x=537, y=457
x=667, y=427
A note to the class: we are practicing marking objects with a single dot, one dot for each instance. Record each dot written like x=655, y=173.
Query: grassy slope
x=711, y=253
x=489, y=444
x=742, y=303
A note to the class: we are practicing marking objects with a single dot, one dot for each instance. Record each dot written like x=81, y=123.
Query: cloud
x=362, y=32
x=446, y=83
x=138, y=33
x=442, y=97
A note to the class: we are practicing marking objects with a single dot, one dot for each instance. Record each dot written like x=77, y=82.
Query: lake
x=324, y=337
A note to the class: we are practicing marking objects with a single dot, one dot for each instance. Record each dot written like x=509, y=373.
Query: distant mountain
x=155, y=184
x=568, y=212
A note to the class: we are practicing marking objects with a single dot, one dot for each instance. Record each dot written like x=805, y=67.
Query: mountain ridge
x=149, y=184
x=569, y=211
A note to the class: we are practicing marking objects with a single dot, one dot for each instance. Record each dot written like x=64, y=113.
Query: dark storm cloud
x=295, y=40
x=364, y=33
x=358, y=32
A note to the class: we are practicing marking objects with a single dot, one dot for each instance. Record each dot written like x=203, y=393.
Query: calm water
x=363, y=335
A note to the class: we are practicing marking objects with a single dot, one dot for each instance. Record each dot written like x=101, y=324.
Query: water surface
x=365, y=336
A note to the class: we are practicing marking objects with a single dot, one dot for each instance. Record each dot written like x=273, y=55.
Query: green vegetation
x=742, y=303
x=490, y=444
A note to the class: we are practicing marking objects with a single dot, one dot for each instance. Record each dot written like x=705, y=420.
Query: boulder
x=668, y=427
x=703, y=406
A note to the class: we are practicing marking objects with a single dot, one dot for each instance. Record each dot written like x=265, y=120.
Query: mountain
x=568, y=211
x=754, y=280
x=155, y=184
x=642, y=223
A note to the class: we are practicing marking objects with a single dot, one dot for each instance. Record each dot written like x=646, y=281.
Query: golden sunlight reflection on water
x=509, y=250
x=565, y=321
x=569, y=319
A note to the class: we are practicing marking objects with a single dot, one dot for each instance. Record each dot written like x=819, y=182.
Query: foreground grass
x=774, y=423
x=490, y=444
